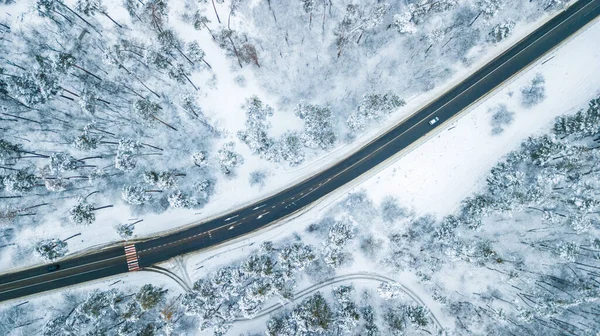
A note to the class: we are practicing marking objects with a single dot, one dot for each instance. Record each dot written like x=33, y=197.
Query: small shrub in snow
x=61, y=162
x=240, y=80
x=501, y=117
x=370, y=246
x=7, y=233
x=56, y=184
x=534, y=93
x=567, y=250
x=340, y=233
x=257, y=178
x=391, y=210
x=204, y=186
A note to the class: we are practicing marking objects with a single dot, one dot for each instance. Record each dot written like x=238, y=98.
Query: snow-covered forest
x=150, y=106
x=520, y=256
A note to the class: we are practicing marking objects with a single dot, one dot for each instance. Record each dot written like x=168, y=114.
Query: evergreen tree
x=51, y=249
x=318, y=126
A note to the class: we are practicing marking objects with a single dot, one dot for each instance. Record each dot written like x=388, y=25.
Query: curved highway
x=117, y=259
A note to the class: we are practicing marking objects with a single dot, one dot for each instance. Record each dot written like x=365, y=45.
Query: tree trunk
x=209, y=31
x=164, y=123
x=103, y=207
x=111, y=19
x=157, y=148
x=215, y=8
x=73, y=236
x=90, y=194
x=87, y=72
x=235, y=51
x=82, y=19
x=475, y=19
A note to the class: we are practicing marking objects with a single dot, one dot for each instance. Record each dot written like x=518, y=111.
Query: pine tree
x=318, y=126
x=150, y=296
x=19, y=182
x=135, y=194
x=346, y=312
x=228, y=158
x=255, y=134
x=9, y=153
x=178, y=199
x=501, y=31
x=126, y=154
x=313, y=315
x=290, y=149
x=161, y=180
x=51, y=249
x=82, y=214
x=200, y=159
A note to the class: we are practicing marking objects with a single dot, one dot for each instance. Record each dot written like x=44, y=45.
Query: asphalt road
x=112, y=260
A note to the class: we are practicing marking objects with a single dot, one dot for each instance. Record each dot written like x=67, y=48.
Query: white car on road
x=433, y=121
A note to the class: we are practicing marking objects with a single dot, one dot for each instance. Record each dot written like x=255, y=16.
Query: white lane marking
x=259, y=217
x=232, y=217
x=260, y=206
x=43, y=282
